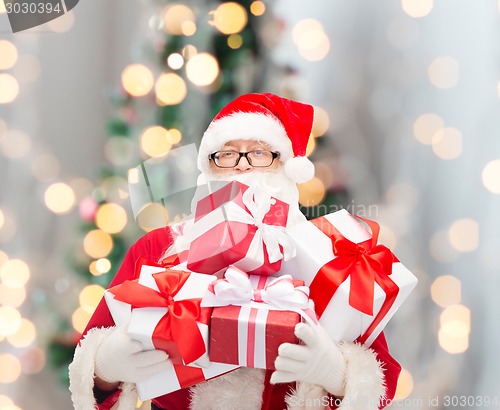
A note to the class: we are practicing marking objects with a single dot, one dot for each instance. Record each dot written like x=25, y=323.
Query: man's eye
x=259, y=153
x=228, y=154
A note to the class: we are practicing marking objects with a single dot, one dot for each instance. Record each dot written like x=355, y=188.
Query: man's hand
x=121, y=359
x=318, y=361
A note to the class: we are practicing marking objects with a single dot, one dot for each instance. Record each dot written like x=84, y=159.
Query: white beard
x=274, y=183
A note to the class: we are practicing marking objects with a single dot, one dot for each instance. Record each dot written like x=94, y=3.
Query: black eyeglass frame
x=275, y=155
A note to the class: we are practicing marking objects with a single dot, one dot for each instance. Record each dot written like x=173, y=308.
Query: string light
x=311, y=146
x=447, y=143
x=202, y=69
x=59, y=198
x=155, y=141
x=257, y=8
x=311, y=40
x=490, y=176
x=321, y=122
x=446, y=290
x=15, y=273
x=90, y=296
x=10, y=296
x=10, y=368
x=170, y=89
x=234, y=41
x=417, y=8
x=175, y=17
x=175, y=135
x=24, y=336
x=137, y=80
x=97, y=244
x=10, y=320
x=425, y=126
x=404, y=386
x=103, y=265
x=229, y=18
x=175, y=61
x=8, y=51
x=312, y=192
x=9, y=88
x=464, y=235
x=111, y=218
x=453, y=335
x=152, y=216
x=80, y=318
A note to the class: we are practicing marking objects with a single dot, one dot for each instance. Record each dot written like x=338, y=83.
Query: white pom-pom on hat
x=285, y=125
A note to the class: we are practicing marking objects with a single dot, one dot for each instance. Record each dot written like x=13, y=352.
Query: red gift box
x=250, y=337
x=238, y=225
x=253, y=315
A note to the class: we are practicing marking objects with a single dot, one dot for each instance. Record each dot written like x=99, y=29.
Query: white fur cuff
x=81, y=375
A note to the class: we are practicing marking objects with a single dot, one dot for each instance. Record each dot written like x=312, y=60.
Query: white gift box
x=142, y=322
x=315, y=249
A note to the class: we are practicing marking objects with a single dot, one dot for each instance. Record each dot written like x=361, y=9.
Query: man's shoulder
x=155, y=242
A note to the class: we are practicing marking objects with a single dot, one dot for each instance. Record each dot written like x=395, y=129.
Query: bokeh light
x=387, y=236
x=12, y=296
x=229, y=18
x=80, y=318
x=444, y=72
x=452, y=344
x=33, y=360
x=24, y=336
x=137, y=80
x=9, y=88
x=312, y=192
x=426, y=126
x=321, y=122
x=464, y=235
x=175, y=61
x=447, y=143
x=3, y=10
x=4, y=400
x=152, y=216
x=170, y=89
x=60, y=198
x=10, y=368
x=417, y=8
x=111, y=218
x=311, y=40
x=179, y=19
x=202, y=69
x=155, y=141
x=404, y=386
x=10, y=320
x=257, y=8
x=446, y=290
x=15, y=273
x=235, y=41
x=90, y=296
x=97, y=244
x=441, y=249
x=8, y=51
x=454, y=332
x=175, y=135
x=403, y=195
x=491, y=176
x=103, y=265
x=2, y=219
x=311, y=146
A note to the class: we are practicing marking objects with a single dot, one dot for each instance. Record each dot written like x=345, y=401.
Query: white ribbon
x=259, y=204
x=279, y=294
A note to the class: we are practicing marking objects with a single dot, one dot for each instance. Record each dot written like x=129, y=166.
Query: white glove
x=121, y=359
x=318, y=361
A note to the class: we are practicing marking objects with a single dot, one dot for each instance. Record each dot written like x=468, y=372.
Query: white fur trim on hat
x=81, y=374
x=244, y=126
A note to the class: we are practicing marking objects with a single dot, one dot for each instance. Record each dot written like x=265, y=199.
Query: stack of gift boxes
x=248, y=279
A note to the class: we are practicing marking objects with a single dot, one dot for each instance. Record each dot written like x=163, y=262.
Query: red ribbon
x=365, y=263
x=179, y=324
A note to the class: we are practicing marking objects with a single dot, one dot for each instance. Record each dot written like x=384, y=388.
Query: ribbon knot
x=179, y=323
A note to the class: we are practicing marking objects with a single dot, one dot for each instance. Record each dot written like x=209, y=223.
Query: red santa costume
x=370, y=374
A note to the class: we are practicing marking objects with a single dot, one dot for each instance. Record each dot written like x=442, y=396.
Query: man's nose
x=243, y=165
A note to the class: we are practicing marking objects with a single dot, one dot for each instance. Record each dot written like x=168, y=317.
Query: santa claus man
x=258, y=139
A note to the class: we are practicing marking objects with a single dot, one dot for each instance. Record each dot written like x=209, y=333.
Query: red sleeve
x=151, y=246
x=391, y=367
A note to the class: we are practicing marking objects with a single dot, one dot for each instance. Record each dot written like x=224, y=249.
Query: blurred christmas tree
x=195, y=58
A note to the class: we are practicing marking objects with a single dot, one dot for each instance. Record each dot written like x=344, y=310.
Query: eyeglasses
x=230, y=159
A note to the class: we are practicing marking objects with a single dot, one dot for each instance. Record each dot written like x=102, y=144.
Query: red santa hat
x=283, y=124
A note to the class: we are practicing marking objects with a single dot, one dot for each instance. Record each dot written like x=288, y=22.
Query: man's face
x=243, y=166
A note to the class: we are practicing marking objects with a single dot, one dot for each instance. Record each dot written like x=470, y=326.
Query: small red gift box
x=253, y=315
x=239, y=225
x=250, y=337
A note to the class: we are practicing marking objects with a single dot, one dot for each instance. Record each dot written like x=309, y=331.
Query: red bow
x=179, y=324
x=365, y=263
